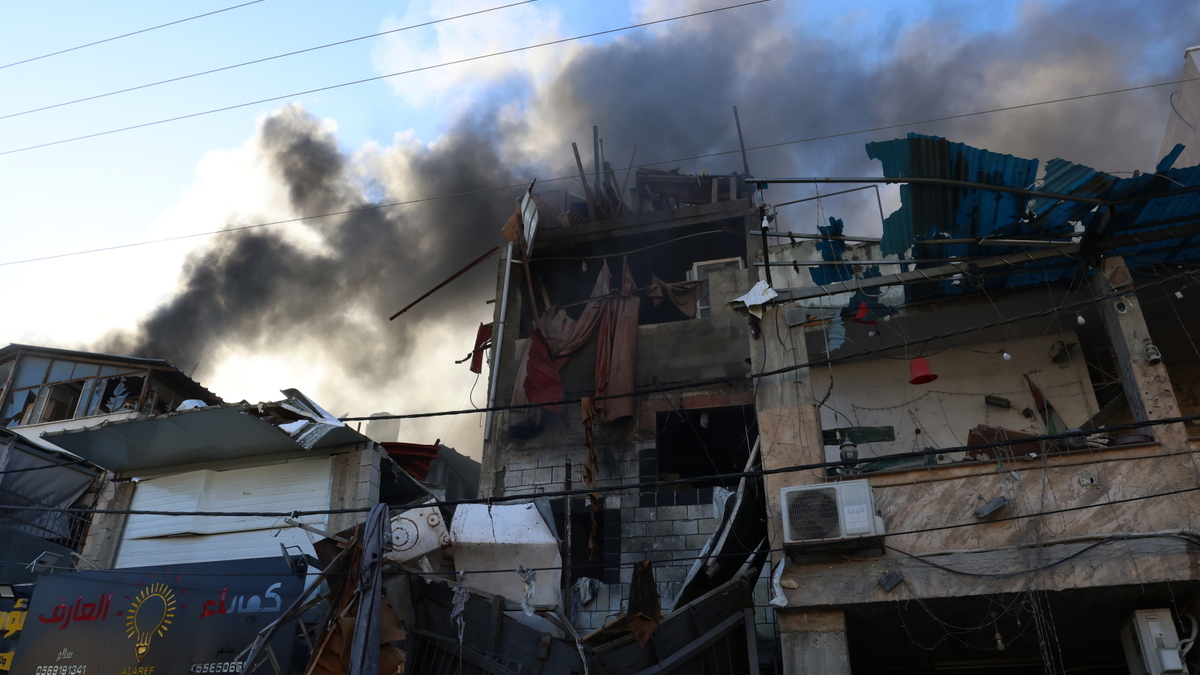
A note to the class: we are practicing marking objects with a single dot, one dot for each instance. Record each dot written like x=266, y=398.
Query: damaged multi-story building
x=600, y=297
x=973, y=434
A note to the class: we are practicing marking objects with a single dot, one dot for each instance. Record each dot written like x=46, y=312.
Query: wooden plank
x=698, y=645
x=858, y=435
x=587, y=190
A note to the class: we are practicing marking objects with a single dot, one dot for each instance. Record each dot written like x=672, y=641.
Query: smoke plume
x=322, y=291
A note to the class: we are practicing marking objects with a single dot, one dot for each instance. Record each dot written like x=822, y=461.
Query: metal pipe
x=946, y=182
x=454, y=276
x=831, y=194
x=742, y=144
x=797, y=235
x=810, y=263
x=498, y=344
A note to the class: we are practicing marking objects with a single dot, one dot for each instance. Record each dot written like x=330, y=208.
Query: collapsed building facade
x=973, y=434
x=615, y=296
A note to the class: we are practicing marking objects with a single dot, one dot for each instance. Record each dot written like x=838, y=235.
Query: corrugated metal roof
x=214, y=433
x=932, y=212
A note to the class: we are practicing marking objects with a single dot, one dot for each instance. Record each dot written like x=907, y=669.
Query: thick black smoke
x=271, y=290
x=671, y=93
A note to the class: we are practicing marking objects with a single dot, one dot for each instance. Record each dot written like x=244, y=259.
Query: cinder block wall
x=667, y=527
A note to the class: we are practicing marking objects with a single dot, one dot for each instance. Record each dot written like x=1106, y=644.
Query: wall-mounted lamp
x=1153, y=356
x=849, y=451
x=1121, y=306
x=1006, y=356
x=1080, y=320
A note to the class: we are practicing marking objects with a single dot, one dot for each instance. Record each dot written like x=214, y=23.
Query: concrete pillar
x=813, y=642
x=789, y=429
x=1147, y=387
x=355, y=485
x=103, y=540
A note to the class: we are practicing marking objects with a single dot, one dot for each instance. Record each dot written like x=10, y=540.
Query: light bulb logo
x=149, y=615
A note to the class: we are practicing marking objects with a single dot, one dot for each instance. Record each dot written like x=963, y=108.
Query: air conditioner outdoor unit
x=1151, y=643
x=829, y=512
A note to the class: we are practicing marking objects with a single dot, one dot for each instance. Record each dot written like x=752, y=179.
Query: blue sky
x=200, y=174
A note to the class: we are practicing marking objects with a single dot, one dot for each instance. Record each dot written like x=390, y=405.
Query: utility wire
x=667, y=562
x=125, y=35
x=651, y=485
x=787, y=369
x=377, y=78
x=262, y=60
x=677, y=387
x=525, y=184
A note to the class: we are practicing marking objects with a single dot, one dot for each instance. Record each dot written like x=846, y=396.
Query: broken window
x=5, y=370
x=700, y=272
x=51, y=390
x=58, y=401
x=160, y=400
x=696, y=444
x=16, y=404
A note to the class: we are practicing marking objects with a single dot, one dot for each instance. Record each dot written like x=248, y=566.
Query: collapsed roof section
x=210, y=433
x=966, y=210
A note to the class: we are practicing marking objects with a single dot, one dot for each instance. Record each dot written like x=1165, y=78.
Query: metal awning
x=206, y=434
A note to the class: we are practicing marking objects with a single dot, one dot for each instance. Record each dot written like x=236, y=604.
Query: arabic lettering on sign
x=64, y=613
x=13, y=621
x=6, y=659
x=244, y=604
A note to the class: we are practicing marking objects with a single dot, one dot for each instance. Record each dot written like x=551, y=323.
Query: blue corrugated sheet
x=937, y=212
x=831, y=249
x=931, y=212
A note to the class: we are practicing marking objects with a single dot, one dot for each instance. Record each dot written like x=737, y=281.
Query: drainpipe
x=498, y=344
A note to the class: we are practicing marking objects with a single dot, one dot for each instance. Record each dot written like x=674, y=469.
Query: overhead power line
x=786, y=369
x=125, y=35
x=262, y=60
x=1072, y=434
x=524, y=184
x=378, y=78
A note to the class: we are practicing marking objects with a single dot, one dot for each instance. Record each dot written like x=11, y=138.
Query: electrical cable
x=525, y=184
x=125, y=35
x=786, y=369
x=639, y=487
x=921, y=453
x=262, y=60
x=692, y=558
x=1043, y=568
x=377, y=78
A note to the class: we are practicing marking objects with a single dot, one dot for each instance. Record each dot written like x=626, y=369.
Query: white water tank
x=485, y=538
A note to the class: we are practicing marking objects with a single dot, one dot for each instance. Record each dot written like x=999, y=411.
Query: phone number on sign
x=226, y=667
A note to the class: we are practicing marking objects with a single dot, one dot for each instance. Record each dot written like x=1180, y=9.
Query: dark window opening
x=61, y=401
x=567, y=274
x=705, y=442
x=604, y=563
x=696, y=444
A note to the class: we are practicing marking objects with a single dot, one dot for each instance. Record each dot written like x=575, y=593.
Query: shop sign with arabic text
x=192, y=618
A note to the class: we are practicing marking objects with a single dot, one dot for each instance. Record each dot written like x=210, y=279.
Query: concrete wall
x=876, y=392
